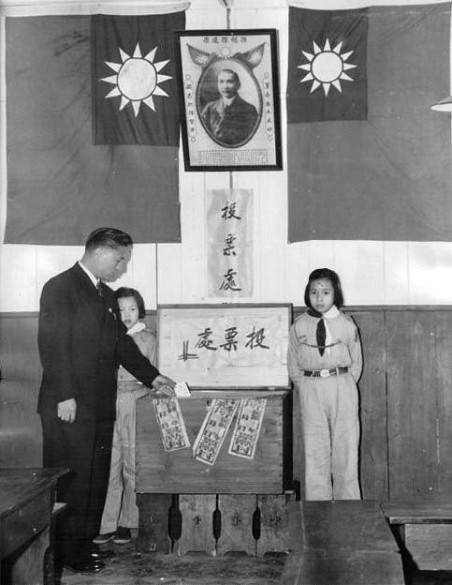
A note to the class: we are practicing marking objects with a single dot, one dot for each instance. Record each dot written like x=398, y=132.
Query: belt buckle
x=324, y=373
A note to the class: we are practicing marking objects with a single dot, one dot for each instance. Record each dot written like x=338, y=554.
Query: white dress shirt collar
x=91, y=276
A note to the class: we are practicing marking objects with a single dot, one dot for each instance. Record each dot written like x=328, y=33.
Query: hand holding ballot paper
x=182, y=390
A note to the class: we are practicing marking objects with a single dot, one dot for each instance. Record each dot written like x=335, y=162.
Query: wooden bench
x=424, y=530
x=342, y=543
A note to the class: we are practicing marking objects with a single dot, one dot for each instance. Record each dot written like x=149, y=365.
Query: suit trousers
x=84, y=447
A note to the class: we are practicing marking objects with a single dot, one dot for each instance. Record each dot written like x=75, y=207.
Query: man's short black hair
x=332, y=276
x=107, y=236
x=234, y=74
x=125, y=292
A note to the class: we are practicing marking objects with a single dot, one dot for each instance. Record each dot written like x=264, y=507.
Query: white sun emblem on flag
x=326, y=67
x=137, y=79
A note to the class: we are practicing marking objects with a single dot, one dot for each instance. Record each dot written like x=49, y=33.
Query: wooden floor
x=131, y=568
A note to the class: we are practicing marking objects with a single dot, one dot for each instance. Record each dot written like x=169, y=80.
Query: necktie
x=321, y=336
x=99, y=288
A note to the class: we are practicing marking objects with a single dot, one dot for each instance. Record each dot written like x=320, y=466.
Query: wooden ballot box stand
x=233, y=502
x=236, y=504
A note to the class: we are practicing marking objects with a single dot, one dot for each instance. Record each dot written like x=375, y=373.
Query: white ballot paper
x=182, y=390
x=171, y=424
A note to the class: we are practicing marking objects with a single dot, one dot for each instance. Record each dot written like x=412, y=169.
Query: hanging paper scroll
x=171, y=424
x=247, y=427
x=214, y=430
x=229, y=241
x=217, y=346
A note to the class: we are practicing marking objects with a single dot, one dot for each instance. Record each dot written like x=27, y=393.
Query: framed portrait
x=229, y=99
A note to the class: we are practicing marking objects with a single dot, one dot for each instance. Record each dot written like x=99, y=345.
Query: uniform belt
x=325, y=373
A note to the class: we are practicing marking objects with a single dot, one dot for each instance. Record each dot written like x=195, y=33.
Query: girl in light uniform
x=120, y=511
x=325, y=364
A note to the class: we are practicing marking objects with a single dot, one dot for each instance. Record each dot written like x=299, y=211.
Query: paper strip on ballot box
x=214, y=430
x=247, y=427
x=171, y=424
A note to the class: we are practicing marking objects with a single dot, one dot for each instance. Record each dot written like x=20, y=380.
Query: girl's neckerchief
x=321, y=329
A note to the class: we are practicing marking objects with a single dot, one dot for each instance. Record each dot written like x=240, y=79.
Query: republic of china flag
x=134, y=79
x=77, y=159
x=367, y=157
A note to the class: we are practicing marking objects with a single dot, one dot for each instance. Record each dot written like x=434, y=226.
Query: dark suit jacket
x=232, y=125
x=81, y=343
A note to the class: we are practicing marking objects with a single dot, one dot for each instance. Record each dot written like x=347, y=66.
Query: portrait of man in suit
x=229, y=120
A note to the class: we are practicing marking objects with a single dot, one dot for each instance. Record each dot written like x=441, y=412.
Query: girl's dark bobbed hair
x=125, y=292
x=329, y=274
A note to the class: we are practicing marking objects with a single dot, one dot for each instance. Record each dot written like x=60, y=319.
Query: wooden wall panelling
x=412, y=403
x=297, y=446
x=372, y=389
x=297, y=438
x=20, y=425
x=443, y=366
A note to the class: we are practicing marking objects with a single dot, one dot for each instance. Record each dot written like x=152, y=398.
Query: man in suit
x=230, y=120
x=82, y=340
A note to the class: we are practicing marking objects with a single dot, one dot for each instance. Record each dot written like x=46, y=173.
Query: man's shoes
x=97, y=553
x=122, y=535
x=87, y=566
x=103, y=538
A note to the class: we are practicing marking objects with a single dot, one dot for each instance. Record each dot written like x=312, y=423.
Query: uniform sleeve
x=355, y=350
x=147, y=343
x=56, y=317
x=292, y=357
x=151, y=347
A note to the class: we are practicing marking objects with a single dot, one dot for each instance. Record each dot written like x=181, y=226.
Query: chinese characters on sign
x=217, y=346
x=254, y=340
x=229, y=243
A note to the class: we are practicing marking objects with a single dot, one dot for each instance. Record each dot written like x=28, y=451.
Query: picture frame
x=228, y=84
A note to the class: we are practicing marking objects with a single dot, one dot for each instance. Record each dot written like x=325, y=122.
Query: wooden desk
x=342, y=543
x=27, y=497
x=424, y=528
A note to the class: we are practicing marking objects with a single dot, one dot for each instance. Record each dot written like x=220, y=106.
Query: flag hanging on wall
x=367, y=157
x=134, y=82
x=85, y=146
